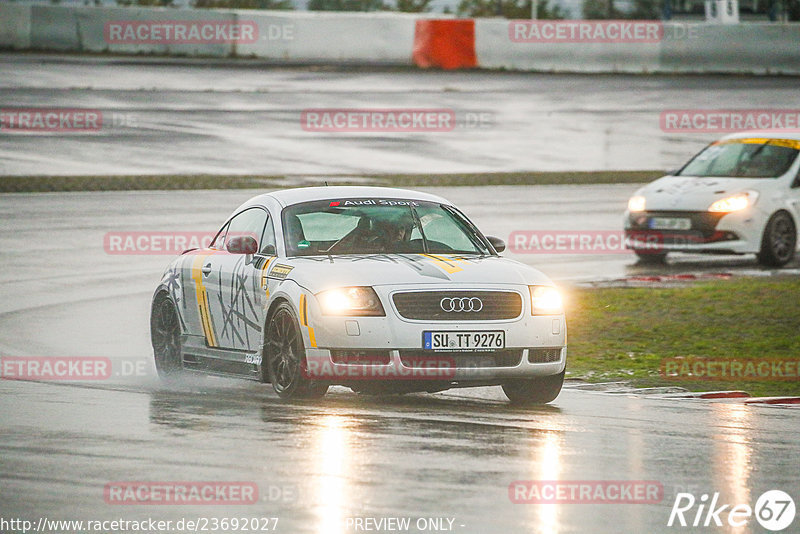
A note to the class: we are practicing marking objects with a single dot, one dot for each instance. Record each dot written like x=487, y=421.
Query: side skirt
x=197, y=356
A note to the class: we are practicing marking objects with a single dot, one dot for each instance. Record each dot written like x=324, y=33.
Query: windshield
x=745, y=158
x=378, y=226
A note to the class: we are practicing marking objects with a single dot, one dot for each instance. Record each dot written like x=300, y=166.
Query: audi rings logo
x=465, y=304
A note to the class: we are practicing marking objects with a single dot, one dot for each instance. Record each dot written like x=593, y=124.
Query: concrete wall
x=375, y=38
x=751, y=48
x=15, y=26
x=388, y=38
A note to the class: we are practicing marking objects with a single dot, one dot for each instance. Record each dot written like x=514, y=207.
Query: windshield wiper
x=418, y=222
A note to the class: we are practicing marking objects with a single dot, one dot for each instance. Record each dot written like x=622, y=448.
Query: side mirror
x=242, y=245
x=498, y=244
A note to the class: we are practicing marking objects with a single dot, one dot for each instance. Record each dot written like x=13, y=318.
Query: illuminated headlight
x=350, y=301
x=546, y=300
x=736, y=202
x=636, y=203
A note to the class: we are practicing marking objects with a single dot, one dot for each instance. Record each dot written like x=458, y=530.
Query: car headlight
x=636, y=203
x=546, y=300
x=350, y=301
x=736, y=202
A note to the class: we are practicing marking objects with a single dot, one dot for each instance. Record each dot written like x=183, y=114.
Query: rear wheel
x=285, y=357
x=539, y=390
x=165, y=336
x=779, y=241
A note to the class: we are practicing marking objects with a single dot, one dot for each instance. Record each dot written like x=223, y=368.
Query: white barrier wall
x=495, y=49
x=91, y=25
x=751, y=48
x=388, y=38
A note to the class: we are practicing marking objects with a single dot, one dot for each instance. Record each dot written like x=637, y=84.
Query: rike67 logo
x=774, y=511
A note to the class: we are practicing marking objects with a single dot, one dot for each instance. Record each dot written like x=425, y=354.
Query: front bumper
x=735, y=233
x=390, y=348
x=444, y=367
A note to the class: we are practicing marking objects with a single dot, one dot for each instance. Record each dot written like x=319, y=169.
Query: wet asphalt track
x=206, y=116
x=450, y=455
x=316, y=464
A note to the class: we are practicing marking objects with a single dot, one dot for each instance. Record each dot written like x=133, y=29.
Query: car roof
x=288, y=197
x=766, y=134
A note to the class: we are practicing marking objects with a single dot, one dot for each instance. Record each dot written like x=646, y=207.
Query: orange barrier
x=445, y=43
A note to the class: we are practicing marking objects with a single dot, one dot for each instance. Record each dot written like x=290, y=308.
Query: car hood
x=321, y=272
x=687, y=193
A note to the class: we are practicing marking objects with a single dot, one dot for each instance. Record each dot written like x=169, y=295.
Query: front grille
x=465, y=360
x=361, y=357
x=544, y=355
x=462, y=305
x=704, y=223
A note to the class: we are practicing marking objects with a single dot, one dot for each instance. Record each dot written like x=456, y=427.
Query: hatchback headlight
x=546, y=300
x=636, y=203
x=736, y=202
x=350, y=301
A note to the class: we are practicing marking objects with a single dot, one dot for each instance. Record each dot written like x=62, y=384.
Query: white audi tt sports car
x=740, y=195
x=377, y=289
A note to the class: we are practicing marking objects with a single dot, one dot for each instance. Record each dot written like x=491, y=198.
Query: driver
x=395, y=232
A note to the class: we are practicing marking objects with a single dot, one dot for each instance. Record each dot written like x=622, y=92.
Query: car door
x=197, y=275
x=235, y=306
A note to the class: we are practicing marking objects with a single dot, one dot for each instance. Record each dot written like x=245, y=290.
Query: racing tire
x=779, y=241
x=284, y=355
x=540, y=390
x=165, y=336
x=651, y=258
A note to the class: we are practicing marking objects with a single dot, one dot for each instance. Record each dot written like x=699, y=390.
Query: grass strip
x=39, y=184
x=625, y=333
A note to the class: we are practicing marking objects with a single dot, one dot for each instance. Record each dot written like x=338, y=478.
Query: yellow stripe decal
x=202, y=299
x=303, y=310
x=446, y=264
x=312, y=339
x=264, y=269
x=790, y=143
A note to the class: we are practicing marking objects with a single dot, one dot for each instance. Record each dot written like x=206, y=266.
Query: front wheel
x=165, y=336
x=285, y=357
x=539, y=390
x=779, y=241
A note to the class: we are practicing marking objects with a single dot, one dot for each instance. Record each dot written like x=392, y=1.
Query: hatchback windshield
x=378, y=226
x=745, y=158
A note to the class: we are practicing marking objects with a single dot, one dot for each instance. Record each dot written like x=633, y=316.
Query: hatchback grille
x=458, y=305
x=423, y=359
x=544, y=355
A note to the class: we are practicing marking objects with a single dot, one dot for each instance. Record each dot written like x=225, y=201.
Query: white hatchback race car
x=377, y=289
x=740, y=195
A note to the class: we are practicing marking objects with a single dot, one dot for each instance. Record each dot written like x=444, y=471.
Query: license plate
x=670, y=223
x=464, y=341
